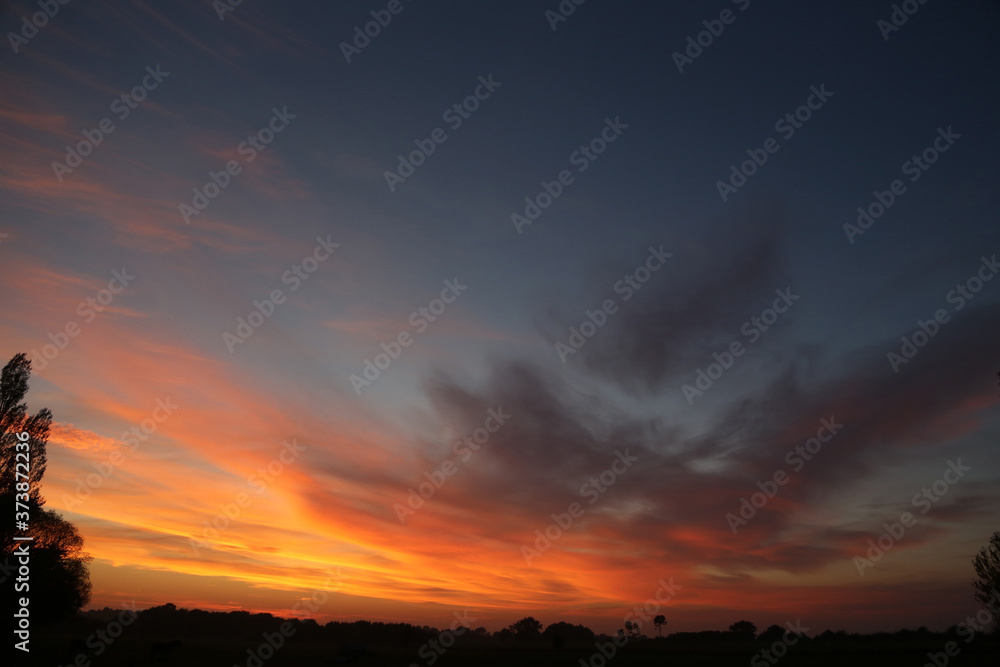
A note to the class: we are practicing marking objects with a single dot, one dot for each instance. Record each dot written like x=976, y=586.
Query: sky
x=511, y=309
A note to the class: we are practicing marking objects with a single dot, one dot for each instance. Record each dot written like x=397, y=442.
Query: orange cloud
x=67, y=435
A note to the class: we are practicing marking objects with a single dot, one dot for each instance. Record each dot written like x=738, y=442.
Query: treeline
x=169, y=622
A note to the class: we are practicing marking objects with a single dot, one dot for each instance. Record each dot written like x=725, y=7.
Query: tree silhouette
x=62, y=585
x=744, y=628
x=59, y=583
x=987, y=565
x=659, y=621
x=14, y=419
x=772, y=634
x=562, y=634
x=526, y=629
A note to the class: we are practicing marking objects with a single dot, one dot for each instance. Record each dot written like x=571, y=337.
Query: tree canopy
x=987, y=566
x=59, y=582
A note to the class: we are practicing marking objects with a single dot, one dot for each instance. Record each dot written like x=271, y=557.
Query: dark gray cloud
x=689, y=307
x=559, y=436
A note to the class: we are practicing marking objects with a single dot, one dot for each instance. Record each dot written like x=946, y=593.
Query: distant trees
x=233, y=629
x=987, y=566
x=744, y=629
x=772, y=634
x=659, y=621
x=526, y=629
x=59, y=584
x=562, y=634
x=631, y=630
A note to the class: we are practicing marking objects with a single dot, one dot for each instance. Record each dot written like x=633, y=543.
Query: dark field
x=56, y=648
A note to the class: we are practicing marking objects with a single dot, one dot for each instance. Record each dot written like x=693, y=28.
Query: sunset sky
x=172, y=397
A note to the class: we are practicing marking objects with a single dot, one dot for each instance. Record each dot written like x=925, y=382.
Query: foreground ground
x=57, y=651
